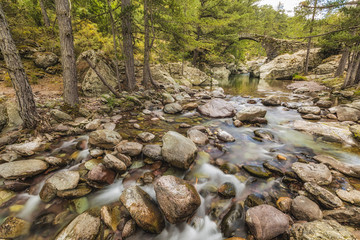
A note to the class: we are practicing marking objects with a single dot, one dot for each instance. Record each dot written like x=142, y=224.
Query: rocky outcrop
x=91, y=85
x=285, y=66
x=217, y=108
x=328, y=66
x=142, y=209
x=266, y=222
x=178, y=150
x=177, y=199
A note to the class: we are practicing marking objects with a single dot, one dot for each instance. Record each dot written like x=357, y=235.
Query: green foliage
x=298, y=77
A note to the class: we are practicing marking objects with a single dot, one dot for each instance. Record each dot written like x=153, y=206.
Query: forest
x=179, y=119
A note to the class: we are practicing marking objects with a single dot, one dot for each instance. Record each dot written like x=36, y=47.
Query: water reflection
x=243, y=84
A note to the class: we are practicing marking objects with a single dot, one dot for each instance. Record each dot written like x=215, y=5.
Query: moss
x=298, y=77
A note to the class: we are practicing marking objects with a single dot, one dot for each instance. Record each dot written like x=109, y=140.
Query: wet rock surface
x=143, y=210
x=266, y=222
x=22, y=168
x=217, y=108
x=317, y=173
x=303, y=208
x=177, y=199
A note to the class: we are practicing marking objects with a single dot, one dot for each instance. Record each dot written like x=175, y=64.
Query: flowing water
x=245, y=150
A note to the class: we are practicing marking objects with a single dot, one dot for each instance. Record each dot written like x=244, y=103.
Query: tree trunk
x=306, y=70
x=146, y=68
x=17, y=74
x=342, y=64
x=71, y=96
x=355, y=69
x=44, y=13
x=114, y=33
x=128, y=44
x=352, y=62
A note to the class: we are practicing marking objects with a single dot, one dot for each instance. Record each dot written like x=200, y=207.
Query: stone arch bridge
x=273, y=46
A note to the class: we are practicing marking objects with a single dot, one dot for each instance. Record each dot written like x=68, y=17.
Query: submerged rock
x=264, y=134
x=104, y=138
x=142, y=209
x=320, y=229
x=257, y=171
x=312, y=172
x=266, y=222
x=177, y=199
x=227, y=190
x=304, y=209
x=249, y=113
x=225, y=136
x=22, y=168
x=217, y=108
x=232, y=220
x=323, y=196
x=178, y=150
x=84, y=226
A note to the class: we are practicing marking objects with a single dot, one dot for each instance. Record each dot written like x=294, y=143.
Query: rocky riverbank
x=148, y=162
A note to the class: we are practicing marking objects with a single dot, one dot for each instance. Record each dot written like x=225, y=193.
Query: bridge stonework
x=273, y=46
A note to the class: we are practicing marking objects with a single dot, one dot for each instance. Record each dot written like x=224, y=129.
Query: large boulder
x=45, y=59
x=84, y=226
x=328, y=66
x=142, y=209
x=177, y=199
x=285, y=66
x=312, y=172
x=217, y=108
x=104, y=138
x=178, y=150
x=302, y=208
x=328, y=131
x=347, y=114
x=22, y=168
x=249, y=113
x=266, y=222
x=320, y=229
x=91, y=85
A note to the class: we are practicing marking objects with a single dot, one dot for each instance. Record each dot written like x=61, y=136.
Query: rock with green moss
x=257, y=171
x=355, y=130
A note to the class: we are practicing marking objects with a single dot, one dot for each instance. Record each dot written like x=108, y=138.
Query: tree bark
x=128, y=44
x=351, y=69
x=44, y=13
x=17, y=74
x=114, y=33
x=71, y=96
x=342, y=64
x=306, y=70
